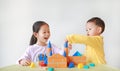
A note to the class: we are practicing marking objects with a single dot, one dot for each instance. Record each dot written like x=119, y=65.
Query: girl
x=41, y=34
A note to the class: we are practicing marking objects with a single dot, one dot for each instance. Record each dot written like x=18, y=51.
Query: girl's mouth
x=45, y=38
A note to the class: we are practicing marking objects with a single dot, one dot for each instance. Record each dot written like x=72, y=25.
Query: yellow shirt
x=94, y=47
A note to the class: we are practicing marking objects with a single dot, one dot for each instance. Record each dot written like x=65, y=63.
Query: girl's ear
x=35, y=34
x=99, y=30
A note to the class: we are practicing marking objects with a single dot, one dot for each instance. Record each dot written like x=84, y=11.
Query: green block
x=92, y=64
x=50, y=69
x=86, y=67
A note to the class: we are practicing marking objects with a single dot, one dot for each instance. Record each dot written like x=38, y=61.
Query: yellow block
x=80, y=65
x=32, y=65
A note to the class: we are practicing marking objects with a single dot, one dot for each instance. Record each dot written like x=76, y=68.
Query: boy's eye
x=44, y=32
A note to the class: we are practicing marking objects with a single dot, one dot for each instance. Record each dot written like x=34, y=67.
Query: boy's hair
x=99, y=22
x=36, y=27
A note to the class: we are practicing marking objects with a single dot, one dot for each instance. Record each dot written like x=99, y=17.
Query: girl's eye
x=89, y=28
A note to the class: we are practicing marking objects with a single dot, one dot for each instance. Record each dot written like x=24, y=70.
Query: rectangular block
x=57, y=61
x=77, y=59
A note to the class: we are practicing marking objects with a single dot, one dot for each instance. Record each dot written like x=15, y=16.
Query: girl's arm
x=25, y=59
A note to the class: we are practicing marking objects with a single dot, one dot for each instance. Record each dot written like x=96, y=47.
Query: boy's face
x=92, y=29
x=43, y=34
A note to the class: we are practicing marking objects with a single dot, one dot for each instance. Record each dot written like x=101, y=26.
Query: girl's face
x=92, y=29
x=43, y=34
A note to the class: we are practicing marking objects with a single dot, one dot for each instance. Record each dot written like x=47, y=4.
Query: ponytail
x=33, y=40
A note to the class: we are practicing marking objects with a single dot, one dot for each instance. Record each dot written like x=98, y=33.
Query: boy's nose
x=47, y=34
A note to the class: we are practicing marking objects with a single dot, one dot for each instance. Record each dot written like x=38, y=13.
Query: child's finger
x=66, y=40
x=70, y=46
x=28, y=62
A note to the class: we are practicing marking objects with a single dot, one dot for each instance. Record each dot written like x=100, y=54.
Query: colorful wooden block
x=57, y=61
x=42, y=64
x=86, y=67
x=77, y=59
x=92, y=64
x=50, y=69
x=77, y=54
x=80, y=65
x=32, y=65
x=71, y=65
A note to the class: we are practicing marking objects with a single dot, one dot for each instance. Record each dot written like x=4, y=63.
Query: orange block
x=57, y=61
x=77, y=59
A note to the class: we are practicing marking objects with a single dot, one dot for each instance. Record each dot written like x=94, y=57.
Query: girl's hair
x=99, y=22
x=36, y=27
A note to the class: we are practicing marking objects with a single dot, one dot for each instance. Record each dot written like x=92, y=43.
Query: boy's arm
x=89, y=40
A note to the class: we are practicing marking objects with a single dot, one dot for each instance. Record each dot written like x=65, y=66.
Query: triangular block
x=77, y=54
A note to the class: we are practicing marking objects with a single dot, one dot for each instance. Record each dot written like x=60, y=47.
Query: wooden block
x=77, y=59
x=66, y=50
x=57, y=61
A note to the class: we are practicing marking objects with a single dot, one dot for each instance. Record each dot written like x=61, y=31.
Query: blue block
x=40, y=57
x=46, y=61
x=71, y=65
x=77, y=54
x=86, y=67
x=66, y=44
x=92, y=64
x=45, y=57
x=49, y=45
x=64, y=54
x=50, y=53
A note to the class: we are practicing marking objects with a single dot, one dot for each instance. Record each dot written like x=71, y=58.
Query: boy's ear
x=35, y=34
x=99, y=30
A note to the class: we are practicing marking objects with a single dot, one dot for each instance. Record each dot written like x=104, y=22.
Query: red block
x=42, y=64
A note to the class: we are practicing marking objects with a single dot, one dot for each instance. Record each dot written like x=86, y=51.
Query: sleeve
x=76, y=38
x=26, y=55
x=56, y=50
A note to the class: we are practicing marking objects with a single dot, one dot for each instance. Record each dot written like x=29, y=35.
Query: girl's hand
x=25, y=62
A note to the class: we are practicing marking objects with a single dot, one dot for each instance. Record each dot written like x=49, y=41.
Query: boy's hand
x=25, y=62
x=69, y=45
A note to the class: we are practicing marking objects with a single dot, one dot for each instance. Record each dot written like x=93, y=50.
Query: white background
x=64, y=17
